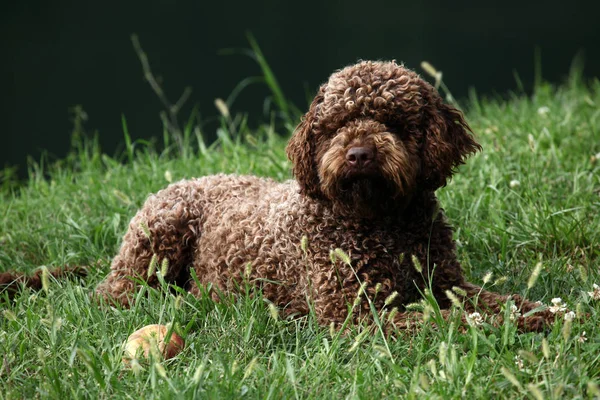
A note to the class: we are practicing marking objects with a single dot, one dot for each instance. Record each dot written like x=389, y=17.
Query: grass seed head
x=250, y=367
x=427, y=311
x=545, y=348
x=500, y=280
x=247, y=270
x=593, y=388
x=382, y=352
x=222, y=107
x=342, y=256
x=361, y=289
x=45, y=279
x=9, y=315
x=144, y=227
x=534, y=275
x=434, y=73
x=153, y=265
x=432, y=367
x=304, y=243
x=535, y=391
x=455, y=301
x=487, y=277
x=511, y=378
x=164, y=267
x=273, y=311
x=390, y=299
x=161, y=371
x=168, y=176
x=415, y=306
x=353, y=347
x=424, y=381
x=199, y=372
x=566, y=330
x=531, y=141
x=378, y=287
x=417, y=263
x=429, y=69
x=136, y=367
x=459, y=291
x=122, y=197
x=392, y=314
x=443, y=352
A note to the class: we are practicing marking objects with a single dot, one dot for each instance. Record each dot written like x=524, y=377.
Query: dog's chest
x=290, y=234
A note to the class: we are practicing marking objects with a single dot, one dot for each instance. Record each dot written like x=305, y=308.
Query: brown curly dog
x=367, y=158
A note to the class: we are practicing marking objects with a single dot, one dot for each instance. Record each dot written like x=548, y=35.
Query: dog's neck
x=417, y=206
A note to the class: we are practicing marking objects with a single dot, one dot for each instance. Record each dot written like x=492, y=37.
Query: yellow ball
x=151, y=340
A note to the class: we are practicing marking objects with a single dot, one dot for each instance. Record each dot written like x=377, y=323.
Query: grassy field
x=531, y=198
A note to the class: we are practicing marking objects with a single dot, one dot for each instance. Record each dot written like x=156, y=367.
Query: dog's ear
x=448, y=142
x=301, y=150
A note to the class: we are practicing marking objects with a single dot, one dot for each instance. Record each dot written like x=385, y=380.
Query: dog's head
x=374, y=134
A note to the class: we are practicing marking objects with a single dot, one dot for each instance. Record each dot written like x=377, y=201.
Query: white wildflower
x=514, y=313
x=595, y=294
x=519, y=362
x=557, y=306
x=570, y=316
x=543, y=110
x=514, y=184
x=582, y=338
x=475, y=319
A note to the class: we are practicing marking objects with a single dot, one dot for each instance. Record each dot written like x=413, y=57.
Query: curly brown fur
x=375, y=144
x=11, y=282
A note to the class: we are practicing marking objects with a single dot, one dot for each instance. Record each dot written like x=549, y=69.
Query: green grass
x=57, y=343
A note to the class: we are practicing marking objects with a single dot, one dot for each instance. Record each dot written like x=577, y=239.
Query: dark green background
x=60, y=53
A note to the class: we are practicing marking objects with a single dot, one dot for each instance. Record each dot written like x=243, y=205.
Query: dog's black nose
x=360, y=156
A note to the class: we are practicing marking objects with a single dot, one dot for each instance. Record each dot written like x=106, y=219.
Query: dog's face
x=374, y=134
